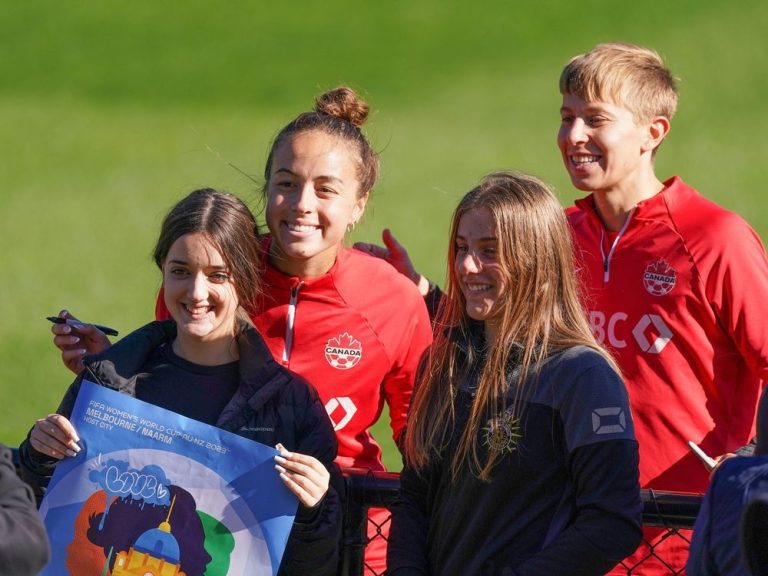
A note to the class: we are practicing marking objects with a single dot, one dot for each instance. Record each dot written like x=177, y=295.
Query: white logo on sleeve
x=342, y=408
x=608, y=420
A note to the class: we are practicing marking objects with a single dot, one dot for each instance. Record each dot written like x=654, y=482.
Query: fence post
x=354, y=534
x=365, y=489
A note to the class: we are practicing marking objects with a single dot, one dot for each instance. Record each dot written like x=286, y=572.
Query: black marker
x=77, y=324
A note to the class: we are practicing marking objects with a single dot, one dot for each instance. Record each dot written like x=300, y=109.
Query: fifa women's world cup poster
x=152, y=492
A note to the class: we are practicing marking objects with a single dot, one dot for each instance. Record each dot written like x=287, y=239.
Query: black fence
x=673, y=512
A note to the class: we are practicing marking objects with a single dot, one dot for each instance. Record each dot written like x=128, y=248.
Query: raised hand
x=396, y=254
x=77, y=341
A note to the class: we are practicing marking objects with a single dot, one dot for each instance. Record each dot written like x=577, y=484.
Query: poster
x=152, y=492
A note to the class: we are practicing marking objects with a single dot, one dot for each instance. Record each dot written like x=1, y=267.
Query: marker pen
x=708, y=461
x=77, y=324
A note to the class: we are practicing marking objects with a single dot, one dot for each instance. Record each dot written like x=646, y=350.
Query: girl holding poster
x=344, y=320
x=520, y=452
x=209, y=363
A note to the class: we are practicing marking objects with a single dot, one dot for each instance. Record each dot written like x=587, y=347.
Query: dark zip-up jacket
x=563, y=499
x=271, y=405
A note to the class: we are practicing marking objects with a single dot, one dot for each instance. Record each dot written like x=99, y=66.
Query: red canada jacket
x=678, y=296
x=356, y=334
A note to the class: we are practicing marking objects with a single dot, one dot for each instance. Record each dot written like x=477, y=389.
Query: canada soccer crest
x=659, y=278
x=343, y=352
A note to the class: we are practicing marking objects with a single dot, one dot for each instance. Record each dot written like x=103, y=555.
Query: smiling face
x=479, y=273
x=312, y=196
x=199, y=292
x=603, y=147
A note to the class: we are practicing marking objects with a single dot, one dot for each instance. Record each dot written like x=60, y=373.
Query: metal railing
x=670, y=511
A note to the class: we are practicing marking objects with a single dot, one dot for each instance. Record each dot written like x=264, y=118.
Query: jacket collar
x=473, y=337
x=273, y=277
x=118, y=366
x=260, y=375
x=648, y=208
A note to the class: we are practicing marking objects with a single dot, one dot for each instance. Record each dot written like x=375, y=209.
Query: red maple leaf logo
x=344, y=351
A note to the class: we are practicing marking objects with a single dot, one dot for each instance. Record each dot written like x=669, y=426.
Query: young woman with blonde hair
x=520, y=450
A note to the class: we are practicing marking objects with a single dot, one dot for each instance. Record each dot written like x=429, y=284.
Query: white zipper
x=289, y=322
x=607, y=259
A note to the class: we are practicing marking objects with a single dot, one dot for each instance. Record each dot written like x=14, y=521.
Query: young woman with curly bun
x=344, y=320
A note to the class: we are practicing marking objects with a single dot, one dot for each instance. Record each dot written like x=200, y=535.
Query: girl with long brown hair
x=520, y=450
x=209, y=363
x=348, y=323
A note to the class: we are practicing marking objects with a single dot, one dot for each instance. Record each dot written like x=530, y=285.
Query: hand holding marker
x=77, y=324
x=708, y=461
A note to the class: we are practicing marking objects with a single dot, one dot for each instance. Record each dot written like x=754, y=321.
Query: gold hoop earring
x=351, y=226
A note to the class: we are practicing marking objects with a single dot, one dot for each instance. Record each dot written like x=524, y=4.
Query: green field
x=110, y=112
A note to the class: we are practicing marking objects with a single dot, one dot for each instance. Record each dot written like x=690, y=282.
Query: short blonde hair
x=625, y=74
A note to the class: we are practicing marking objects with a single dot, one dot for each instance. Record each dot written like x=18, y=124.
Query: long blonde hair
x=540, y=313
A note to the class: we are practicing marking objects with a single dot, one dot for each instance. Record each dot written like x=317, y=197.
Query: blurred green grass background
x=110, y=112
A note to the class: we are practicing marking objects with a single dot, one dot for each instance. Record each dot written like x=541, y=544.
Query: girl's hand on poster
x=75, y=342
x=55, y=436
x=304, y=475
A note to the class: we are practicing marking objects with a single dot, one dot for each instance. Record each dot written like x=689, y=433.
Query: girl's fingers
x=55, y=436
x=304, y=497
x=300, y=462
x=308, y=493
x=300, y=468
x=48, y=445
x=304, y=475
x=309, y=482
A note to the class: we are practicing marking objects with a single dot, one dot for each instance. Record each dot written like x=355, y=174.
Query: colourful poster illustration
x=154, y=493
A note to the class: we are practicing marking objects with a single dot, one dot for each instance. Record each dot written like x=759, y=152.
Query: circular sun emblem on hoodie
x=502, y=433
x=343, y=352
x=659, y=278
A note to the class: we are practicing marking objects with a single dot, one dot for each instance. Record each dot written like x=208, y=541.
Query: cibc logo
x=343, y=352
x=650, y=332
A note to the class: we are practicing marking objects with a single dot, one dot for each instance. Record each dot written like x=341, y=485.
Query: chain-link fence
x=668, y=515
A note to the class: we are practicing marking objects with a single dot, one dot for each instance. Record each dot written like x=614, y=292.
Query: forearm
x=407, y=546
x=433, y=298
x=313, y=545
x=315, y=538
x=35, y=468
x=606, y=525
x=579, y=554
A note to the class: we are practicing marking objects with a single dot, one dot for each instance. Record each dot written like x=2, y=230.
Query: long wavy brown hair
x=540, y=313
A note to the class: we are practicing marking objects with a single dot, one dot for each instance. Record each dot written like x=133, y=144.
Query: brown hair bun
x=339, y=113
x=343, y=103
